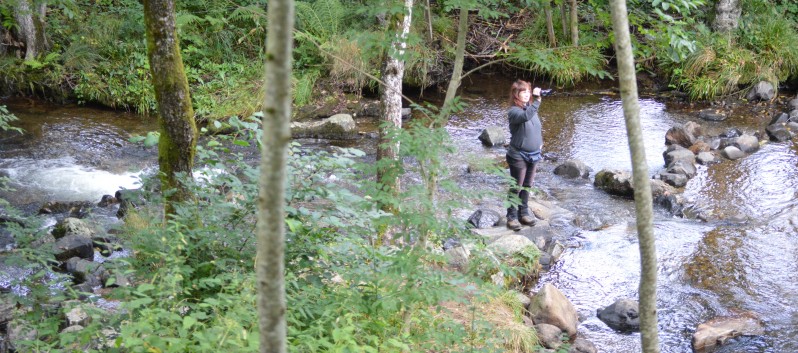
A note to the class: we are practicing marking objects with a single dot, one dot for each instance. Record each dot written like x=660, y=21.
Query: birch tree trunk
x=574, y=24
x=31, y=28
x=727, y=15
x=391, y=94
x=178, y=141
x=271, y=201
x=643, y=202
x=459, y=58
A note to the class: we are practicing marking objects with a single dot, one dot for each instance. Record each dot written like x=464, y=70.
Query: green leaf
x=152, y=138
x=188, y=321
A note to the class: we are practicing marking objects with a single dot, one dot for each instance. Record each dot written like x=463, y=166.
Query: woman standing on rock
x=523, y=153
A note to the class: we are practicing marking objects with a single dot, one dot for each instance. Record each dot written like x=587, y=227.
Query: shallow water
x=744, y=259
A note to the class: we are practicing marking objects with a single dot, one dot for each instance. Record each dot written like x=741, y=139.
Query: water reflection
x=743, y=260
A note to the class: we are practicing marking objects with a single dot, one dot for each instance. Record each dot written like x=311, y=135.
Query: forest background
x=195, y=285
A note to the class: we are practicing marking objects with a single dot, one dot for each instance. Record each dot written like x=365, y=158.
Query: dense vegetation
x=338, y=45
x=193, y=279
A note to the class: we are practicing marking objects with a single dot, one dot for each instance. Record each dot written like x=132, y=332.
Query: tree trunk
x=574, y=24
x=271, y=202
x=459, y=58
x=31, y=28
x=428, y=14
x=391, y=104
x=642, y=194
x=564, y=18
x=178, y=141
x=727, y=15
x=549, y=24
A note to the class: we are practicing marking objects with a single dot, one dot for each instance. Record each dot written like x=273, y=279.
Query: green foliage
x=760, y=50
x=564, y=66
x=6, y=119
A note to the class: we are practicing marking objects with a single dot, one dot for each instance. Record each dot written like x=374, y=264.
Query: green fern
x=322, y=18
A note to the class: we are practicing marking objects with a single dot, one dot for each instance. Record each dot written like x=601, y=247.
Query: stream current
x=705, y=269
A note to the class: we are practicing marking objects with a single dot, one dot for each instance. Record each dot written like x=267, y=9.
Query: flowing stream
x=743, y=259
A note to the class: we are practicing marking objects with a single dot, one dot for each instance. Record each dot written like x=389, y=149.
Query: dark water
x=744, y=259
x=71, y=153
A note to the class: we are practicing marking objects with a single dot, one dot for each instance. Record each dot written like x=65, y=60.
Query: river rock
x=683, y=168
x=7, y=241
x=747, y=143
x=678, y=153
x=623, y=315
x=732, y=153
x=107, y=244
x=107, y=200
x=712, y=115
x=77, y=315
x=615, y=182
x=582, y=345
x=716, y=332
x=674, y=179
x=338, y=127
x=794, y=115
x=7, y=306
x=85, y=271
x=492, y=136
x=509, y=244
x=484, y=218
x=706, y=158
x=712, y=141
x=780, y=119
x=731, y=133
x=550, y=306
x=700, y=146
x=72, y=226
x=20, y=330
x=128, y=198
x=549, y=336
x=778, y=133
x=792, y=127
x=792, y=104
x=694, y=129
x=573, y=168
x=679, y=135
x=76, y=209
x=72, y=246
x=762, y=91
x=458, y=257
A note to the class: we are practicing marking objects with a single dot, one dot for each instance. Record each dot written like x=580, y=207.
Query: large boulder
x=615, y=182
x=706, y=158
x=573, y=168
x=550, y=306
x=72, y=226
x=492, y=136
x=683, y=168
x=673, y=179
x=713, y=333
x=763, y=91
x=336, y=127
x=679, y=135
x=623, y=315
x=73, y=246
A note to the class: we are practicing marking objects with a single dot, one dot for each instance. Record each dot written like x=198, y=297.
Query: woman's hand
x=536, y=93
